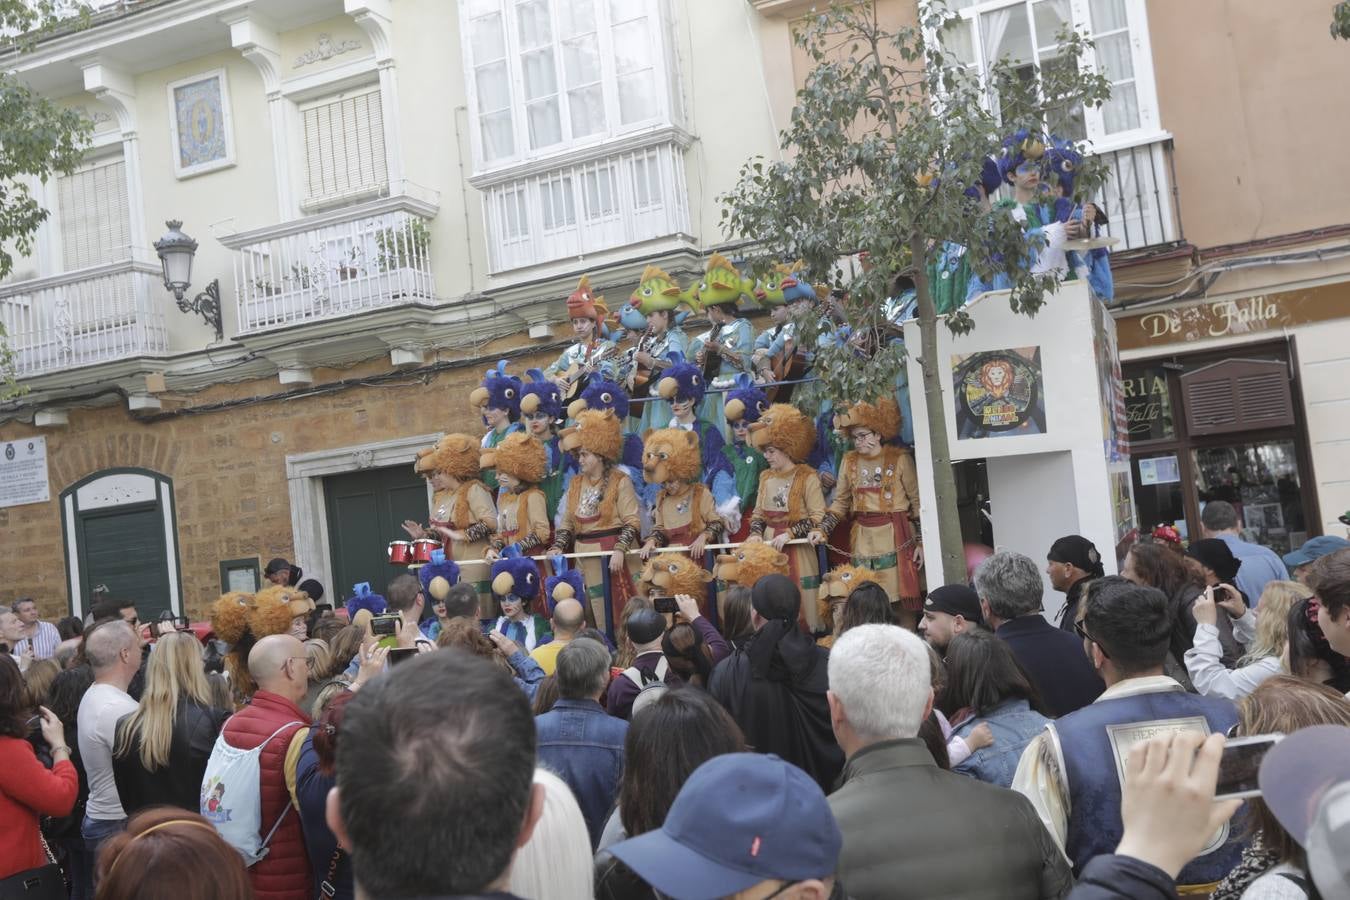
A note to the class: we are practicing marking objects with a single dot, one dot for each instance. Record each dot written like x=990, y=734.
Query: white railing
x=363, y=257
x=81, y=318
x=586, y=207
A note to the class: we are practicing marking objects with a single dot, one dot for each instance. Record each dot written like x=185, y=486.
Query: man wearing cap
x=1071, y=772
x=745, y=826
x=1072, y=562
x=956, y=836
x=948, y=611
x=1310, y=552
x=1259, y=564
x=280, y=572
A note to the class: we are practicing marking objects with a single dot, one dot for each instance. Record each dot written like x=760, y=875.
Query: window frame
x=665, y=109
x=328, y=94
x=1149, y=128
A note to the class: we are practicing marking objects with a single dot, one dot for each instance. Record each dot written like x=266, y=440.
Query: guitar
x=712, y=362
x=572, y=382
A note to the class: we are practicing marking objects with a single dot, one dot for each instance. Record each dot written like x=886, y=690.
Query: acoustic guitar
x=572, y=382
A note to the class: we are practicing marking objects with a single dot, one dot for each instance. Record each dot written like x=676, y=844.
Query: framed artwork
x=199, y=123
x=998, y=393
x=240, y=575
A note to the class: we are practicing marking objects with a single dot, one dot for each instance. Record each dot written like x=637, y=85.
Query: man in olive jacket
x=911, y=829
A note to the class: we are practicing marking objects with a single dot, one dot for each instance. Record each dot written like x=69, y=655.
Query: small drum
x=421, y=549
x=400, y=553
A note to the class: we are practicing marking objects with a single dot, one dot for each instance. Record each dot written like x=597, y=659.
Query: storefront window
x=1262, y=482
x=1158, y=496
x=1148, y=404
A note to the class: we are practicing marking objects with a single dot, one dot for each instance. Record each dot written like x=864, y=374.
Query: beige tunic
x=444, y=509
x=871, y=491
x=773, y=516
x=593, y=531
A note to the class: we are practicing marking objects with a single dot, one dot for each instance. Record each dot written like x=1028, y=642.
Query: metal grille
x=344, y=149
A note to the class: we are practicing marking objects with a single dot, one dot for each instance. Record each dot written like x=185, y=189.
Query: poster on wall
x=199, y=123
x=999, y=393
x=1111, y=384
x=23, y=472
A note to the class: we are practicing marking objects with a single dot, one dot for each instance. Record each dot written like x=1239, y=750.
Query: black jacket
x=1072, y=596
x=1055, y=662
x=775, y=690
x=195, y=730
x=1123, y=878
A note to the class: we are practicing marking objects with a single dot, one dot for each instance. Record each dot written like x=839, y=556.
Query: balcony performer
x=778, y=356
x=522, y=513
x=683, y=386
x=599, y=513
x=878, y=492
x=745, y=404
x=632, y=327
x=541, y=410
x=656, y=297
x=1062, y=163
x=601, y=395
x=462, y=513
x=684, y=513
x=498, y=398
x=725, y=352
x=790, y=503
x=592, y=353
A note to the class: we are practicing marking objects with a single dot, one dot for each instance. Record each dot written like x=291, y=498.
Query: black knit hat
x=1077, y=550
x=1215, y=553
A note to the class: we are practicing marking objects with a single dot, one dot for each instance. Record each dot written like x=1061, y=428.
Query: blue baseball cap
x=740, y=819
x=1314, y=549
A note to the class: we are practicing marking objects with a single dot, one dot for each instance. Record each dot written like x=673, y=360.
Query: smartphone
x=1240, y=765
x=401, y=654
x=665, y=605
x=384, y=626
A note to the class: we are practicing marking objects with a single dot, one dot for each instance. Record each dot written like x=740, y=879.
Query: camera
x=385, y=626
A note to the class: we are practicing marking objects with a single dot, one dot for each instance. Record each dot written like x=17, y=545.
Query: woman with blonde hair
x=1263, y=631
x=162, y=748
x=37, y=681
x=556, y=861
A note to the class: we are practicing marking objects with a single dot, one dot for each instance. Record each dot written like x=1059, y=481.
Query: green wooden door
x=365, y=512
x=123, y=547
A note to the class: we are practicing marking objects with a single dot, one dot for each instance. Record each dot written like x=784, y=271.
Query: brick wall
x=228, y=467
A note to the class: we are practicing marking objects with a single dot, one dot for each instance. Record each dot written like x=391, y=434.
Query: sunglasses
x=1081, y=628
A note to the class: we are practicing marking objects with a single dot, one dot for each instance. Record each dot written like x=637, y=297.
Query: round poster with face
x=999, y=393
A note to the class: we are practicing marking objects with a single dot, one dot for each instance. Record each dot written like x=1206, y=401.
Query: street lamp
x=175, y=251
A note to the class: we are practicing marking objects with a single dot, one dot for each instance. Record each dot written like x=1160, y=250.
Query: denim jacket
x=1013, y=723
x=583, y=745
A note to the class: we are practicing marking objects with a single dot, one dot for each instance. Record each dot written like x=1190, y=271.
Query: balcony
x=1140, y=196
x=96, y=315
x=586, y=206
x=365, y=257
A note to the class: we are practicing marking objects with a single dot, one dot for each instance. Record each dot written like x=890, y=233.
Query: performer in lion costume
x=241, y=620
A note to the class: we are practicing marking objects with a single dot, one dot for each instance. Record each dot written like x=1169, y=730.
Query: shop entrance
x=366, y=510
x=1222, y=426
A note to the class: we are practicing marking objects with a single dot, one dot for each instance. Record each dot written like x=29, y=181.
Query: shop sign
x=1231, y=318
x=23, y=472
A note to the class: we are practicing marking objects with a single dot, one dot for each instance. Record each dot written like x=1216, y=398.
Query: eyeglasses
x=1083, y=633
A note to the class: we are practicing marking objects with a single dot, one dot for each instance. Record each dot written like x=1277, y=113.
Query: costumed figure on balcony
x=592, y=354
x=683, y=385
x=835, y=587
x=462, y=511
x=599, y=514
x=878, y=493
x=750, y=562
x=522, y=515
x=790, y=503
x=631, y=326
x=498, y=399
x=724, y=350
x=565, y=585
x=541, y=409
x=778, y=356
x=437, y=578
x=745, y=404
x=516, y=584
x=657, y=297
x=684, y=514
x=1062, y=162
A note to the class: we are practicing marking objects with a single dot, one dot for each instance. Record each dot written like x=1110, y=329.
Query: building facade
x=389, y=196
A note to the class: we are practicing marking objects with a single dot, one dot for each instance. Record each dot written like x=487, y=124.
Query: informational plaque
x=23, y=472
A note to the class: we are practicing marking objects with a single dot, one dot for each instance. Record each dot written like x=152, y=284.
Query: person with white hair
x=880, y=693
x=555, y=863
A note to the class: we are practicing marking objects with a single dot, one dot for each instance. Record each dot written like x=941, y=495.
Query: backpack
x=234, y=772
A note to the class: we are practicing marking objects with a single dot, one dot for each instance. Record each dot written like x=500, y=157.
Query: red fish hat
x=583, y=303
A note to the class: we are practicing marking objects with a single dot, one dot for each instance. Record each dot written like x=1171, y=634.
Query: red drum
x=421, y=549
x=400, y=553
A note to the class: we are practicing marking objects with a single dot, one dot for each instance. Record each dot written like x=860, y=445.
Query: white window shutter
x=94, y=216
x=344, y=148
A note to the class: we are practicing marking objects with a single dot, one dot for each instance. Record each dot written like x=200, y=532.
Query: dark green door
x=366, y=511
x=123, y=547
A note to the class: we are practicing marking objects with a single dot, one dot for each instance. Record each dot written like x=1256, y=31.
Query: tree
x=37, y=139
x=887, y=134
x=1340, y=20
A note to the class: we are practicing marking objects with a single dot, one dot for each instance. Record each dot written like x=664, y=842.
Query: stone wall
x=228, y=465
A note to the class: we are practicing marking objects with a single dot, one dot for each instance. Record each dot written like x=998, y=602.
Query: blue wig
x=517, y=576
x=363, y=598
x=681, y=381
x=540, y=394
x=438, y=576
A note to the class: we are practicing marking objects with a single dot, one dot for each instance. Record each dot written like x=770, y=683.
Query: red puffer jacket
x=283, y=874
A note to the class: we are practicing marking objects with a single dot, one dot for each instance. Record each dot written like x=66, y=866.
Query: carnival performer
x=522, y=514
x=462, y=513
x=745, y=404
x=683, y=386
x=498, y=398
x=601, y=395
x=657, y=297
x=878, y=492
x=790, y=503
x=516, y=584
x=730, y=339
x=540, y=409
x=592, y=353
x=1062, y=161
x=785, y=292
x=632, y=327
x=599, y=513
x=684, y=512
